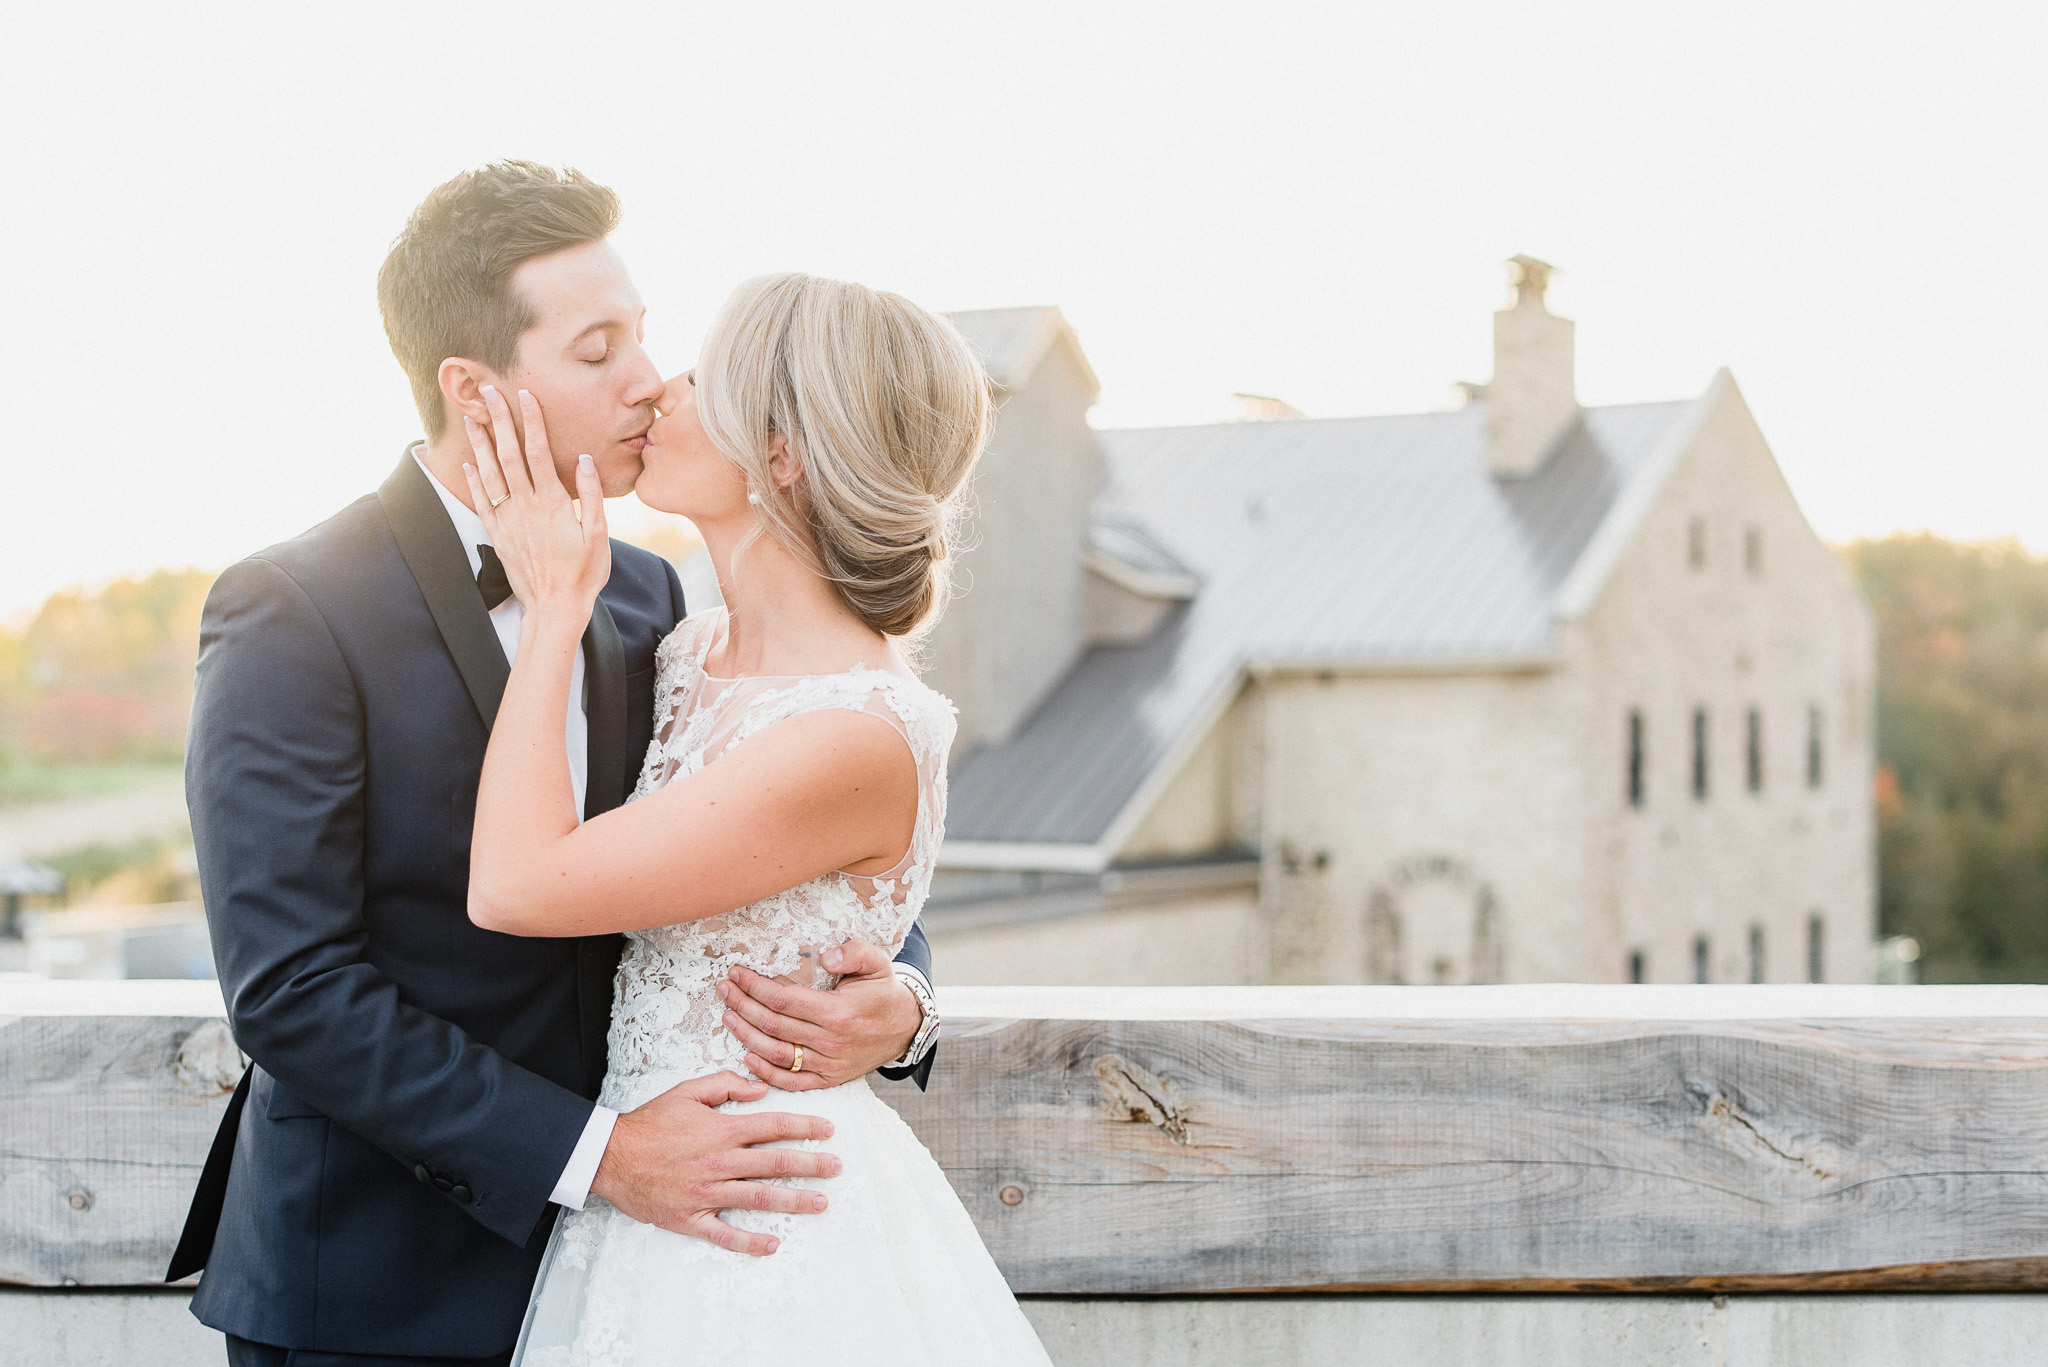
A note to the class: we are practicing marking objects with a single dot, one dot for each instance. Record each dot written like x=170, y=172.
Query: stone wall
x=1019, y=620
x=1420, y=828
x=1725, y=600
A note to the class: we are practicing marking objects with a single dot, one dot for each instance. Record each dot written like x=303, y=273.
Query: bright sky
x=1845, y=203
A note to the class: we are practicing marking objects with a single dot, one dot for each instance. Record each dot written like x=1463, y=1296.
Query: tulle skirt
x=892, y=1274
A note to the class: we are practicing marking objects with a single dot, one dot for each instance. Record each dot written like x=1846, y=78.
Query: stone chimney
x=1531, y=402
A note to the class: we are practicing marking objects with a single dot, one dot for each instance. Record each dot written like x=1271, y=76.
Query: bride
x=793, y=798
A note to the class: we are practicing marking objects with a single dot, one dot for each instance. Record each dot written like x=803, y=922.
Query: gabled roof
x=1123, y=551
x=1011, y=342
x=1342, y=542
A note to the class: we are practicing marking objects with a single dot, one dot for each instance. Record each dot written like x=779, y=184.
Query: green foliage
x=1962, y=790
x=102, y=677
x=23, y=780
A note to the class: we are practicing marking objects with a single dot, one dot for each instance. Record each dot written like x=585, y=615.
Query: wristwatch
x=927, y=1029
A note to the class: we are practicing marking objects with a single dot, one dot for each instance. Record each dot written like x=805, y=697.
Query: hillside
x=102, y=677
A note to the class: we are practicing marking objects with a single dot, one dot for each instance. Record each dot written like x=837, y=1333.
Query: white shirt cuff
x=574, y=1188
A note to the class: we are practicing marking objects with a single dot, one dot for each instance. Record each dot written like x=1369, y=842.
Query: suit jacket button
x=443, y=1184
x=419, y=1170
x=462, y=1194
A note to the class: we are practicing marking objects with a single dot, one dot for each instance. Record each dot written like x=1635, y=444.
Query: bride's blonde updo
x=885, y=409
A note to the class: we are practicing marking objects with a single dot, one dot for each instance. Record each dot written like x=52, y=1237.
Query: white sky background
x=1847, y=204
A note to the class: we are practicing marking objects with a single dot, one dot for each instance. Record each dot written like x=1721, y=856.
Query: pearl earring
x=753, y=498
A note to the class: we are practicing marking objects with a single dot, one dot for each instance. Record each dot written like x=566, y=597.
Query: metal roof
x=1010, y=342
x=1317, y=542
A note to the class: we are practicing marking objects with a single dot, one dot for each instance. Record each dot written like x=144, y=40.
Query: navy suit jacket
x=380, y=1183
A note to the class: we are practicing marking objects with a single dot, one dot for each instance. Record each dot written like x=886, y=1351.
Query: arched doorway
x=1433, y=920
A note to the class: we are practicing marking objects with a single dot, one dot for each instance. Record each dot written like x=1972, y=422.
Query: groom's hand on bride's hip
x=865, y=1022
x=676, y=1162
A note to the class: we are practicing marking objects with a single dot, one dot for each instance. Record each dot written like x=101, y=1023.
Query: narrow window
x=1753, y=550
x=1699, y=959
x=1814, y=945
x=1754, y=751
x=1756, y=954
x=1696, y=544
x=1635, y=759
x=1699, y=753
x=1635, y=966
x=1813, y=754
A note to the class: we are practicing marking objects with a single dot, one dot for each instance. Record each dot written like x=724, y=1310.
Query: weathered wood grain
x=1148, y=1157
x=104, y=1123
x=1520, y=1147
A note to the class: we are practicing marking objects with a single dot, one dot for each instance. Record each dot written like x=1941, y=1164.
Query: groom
x=420, y=1098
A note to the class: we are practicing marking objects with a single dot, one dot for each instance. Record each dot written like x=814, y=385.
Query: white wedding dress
x=893, y=1273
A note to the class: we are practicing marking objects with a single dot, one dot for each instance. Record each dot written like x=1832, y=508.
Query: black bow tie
x=490, y=580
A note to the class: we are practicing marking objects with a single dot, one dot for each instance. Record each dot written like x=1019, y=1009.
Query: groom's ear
x=462, y=384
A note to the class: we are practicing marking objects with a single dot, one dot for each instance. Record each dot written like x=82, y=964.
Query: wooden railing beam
x=1201, y=1140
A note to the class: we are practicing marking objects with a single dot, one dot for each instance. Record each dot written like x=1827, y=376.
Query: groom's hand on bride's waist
x=865, y=1022
x=676, y=1162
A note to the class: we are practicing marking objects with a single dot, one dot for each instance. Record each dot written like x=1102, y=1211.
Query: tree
x=1962, y=790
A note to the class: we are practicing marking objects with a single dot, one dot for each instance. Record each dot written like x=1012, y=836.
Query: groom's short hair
x=446, y=288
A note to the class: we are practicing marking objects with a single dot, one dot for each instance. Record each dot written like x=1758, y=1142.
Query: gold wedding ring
x=500, y=498
x=797, y=1064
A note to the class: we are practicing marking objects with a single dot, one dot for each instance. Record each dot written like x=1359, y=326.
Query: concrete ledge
x=51, y=1328
x=1542, y=1331
x=58, y=1328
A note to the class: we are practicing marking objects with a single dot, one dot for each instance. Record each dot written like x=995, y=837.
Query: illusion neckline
x=711, y=644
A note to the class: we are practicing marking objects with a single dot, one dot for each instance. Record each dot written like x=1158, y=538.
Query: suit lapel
x=440, y=566
x=604, y=677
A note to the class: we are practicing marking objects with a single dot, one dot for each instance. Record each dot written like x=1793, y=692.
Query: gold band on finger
x=500, y=498
x=797, y=1064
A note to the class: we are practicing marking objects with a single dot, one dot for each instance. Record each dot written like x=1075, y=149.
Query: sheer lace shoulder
x=666, y=1023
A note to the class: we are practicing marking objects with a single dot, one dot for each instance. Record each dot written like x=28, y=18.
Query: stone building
x=1521, y=691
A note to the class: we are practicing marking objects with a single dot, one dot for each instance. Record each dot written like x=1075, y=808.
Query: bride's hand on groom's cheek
x=556, y=550
x=863, y=1023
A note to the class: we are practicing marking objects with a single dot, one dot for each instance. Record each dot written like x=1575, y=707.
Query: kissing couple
x=512, y=1031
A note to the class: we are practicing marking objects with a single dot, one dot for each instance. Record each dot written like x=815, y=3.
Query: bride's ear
x=462, y=383
x=783, y=466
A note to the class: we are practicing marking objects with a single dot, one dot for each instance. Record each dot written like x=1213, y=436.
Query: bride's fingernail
x=491, y=389
x=525, y=398
x=817, y=1203
x=469, y=422
x=586, y=462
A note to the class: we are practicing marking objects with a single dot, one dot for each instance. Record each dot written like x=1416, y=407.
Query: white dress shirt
x=573, y=1189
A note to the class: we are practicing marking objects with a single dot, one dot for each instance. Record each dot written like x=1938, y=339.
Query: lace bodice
x=666, y=1015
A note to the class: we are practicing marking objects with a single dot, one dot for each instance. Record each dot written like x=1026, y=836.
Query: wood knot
x=208, y=1060
x=1729, y=1121
x=1012, y=1195
x=1133, y=1094
x=78, y=1198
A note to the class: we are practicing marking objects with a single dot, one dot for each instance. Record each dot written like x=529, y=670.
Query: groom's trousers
x=242, y=1353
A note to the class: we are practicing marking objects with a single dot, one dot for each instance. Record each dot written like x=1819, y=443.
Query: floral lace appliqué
x=666, y=1015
